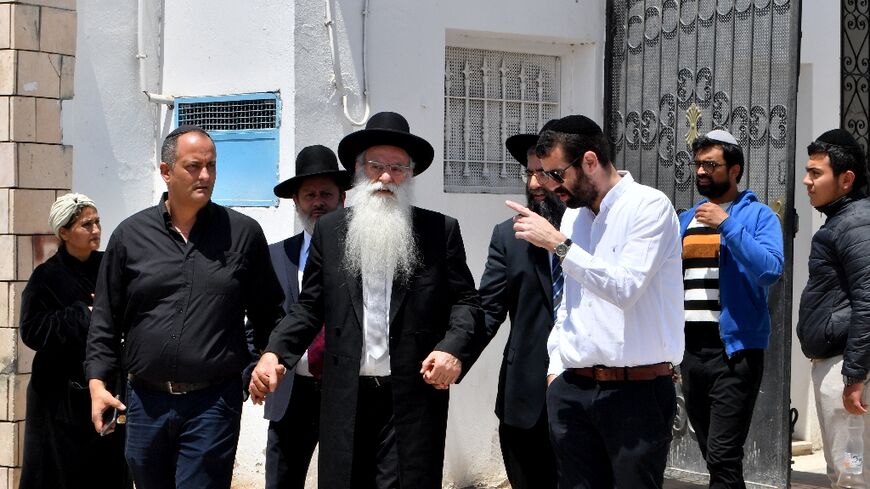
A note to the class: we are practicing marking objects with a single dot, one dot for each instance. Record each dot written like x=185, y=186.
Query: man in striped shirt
x=732, y=253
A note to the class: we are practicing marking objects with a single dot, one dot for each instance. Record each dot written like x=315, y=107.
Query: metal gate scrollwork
x=677, y=69
x=729, y=61
x=855, y=66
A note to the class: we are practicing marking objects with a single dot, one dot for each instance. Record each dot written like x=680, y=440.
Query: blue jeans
x=183, y=440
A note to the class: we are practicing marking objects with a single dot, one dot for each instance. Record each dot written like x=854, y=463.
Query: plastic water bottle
x=853, y=459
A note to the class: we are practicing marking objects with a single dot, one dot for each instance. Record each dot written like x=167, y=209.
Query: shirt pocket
x=224, y=275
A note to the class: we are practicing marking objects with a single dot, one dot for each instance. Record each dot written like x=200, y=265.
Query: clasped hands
x=439, y=369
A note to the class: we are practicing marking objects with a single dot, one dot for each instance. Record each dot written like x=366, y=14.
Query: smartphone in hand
x=111, y=418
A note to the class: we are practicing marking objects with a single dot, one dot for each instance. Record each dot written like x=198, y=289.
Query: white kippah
x=64, y=208
x=722, y=136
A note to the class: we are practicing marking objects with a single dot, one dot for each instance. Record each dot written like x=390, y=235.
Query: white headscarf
x=64, y=208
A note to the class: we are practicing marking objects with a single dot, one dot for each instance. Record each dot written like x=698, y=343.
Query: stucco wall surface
x=108, y=121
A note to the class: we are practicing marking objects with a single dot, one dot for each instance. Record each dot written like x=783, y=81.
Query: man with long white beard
x=403, y=321
x=317, y=188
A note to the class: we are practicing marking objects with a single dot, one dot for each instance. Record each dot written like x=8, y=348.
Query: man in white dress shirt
x=619, y=330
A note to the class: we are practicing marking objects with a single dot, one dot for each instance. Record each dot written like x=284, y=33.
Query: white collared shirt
x=375, y=359
x=302, y=365
x=303, y=256
x=623, y=299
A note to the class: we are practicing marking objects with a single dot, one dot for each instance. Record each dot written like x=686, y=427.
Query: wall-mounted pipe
x=157, y=98
x=336, y=65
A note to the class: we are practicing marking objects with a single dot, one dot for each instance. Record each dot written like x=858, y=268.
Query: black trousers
x=291, y=441
x=528, y=455
x=720, y=396
x=375, y=456
x=610, y=434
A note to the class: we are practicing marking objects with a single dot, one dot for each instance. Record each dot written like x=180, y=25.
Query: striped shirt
x=701, y=282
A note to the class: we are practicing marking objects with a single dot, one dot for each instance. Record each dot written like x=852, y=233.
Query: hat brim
x=353, y=144
x=288, y=188
x=518, y=146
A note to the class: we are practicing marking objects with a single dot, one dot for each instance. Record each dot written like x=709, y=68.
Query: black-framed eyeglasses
x=708, y=165
x=558, y=175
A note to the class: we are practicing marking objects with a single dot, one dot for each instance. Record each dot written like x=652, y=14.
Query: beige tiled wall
x=37, y=62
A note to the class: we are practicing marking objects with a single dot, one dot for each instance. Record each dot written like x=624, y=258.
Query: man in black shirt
x=176, y=283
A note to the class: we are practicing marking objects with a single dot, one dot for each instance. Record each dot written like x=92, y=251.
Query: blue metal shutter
x=245, y=132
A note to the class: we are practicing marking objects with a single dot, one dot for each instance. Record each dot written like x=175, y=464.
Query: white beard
x=307, y=221
x=380, y=238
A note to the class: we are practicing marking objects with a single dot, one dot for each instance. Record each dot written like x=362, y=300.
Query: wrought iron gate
x=855, y=70
x=679, y=68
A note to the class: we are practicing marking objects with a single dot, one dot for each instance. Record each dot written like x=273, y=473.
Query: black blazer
x=517, y=281
x=439, y=309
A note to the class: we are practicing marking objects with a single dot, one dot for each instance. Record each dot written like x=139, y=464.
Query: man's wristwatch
x=562, y=248
x=852, y=380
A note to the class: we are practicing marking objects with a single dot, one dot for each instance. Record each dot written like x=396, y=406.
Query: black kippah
x=576, y=124
x=839, y=137
x=549, y=124
x=184, y=129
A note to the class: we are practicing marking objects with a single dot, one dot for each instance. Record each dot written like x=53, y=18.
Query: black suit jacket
x=517, y=282
x=439, y=309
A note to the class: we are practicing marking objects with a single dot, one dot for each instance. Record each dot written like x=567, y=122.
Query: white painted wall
x=109, y=122
x=227, y=47
x=818, y=111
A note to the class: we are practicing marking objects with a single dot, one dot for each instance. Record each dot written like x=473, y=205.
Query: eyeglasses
x=709, y=165
x=540, y=175
x=394, y=170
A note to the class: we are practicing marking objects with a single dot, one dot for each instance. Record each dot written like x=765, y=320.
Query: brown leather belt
x=612, y=374
x=173, y=387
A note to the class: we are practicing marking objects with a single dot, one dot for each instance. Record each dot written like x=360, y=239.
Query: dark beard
x=713, y=190
x=583, y=194
x=551, y=208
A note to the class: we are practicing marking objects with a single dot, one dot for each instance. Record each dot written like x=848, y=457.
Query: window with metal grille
x=245, y=133
x=488, y=97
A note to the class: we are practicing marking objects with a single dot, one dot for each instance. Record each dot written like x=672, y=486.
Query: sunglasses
x=558, y=175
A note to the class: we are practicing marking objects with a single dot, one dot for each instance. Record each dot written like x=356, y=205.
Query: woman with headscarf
x=61, y=448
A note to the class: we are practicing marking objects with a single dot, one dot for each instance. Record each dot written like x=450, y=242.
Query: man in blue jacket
x=732, y=253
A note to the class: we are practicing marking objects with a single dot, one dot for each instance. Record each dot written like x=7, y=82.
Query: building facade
x=271, y=77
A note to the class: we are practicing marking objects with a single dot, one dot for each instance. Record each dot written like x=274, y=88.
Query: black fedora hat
x=313, y=161
x=518, y=145
x=386, y=128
